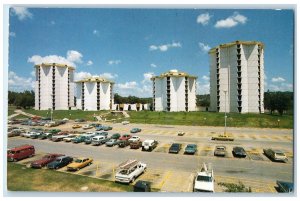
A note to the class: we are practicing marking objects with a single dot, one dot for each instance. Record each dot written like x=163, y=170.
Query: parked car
x=95, y=124
x=101, y=133
x=223, y=137
x=149, y=145
x=60, y=162
x=112, y=142
x=45, y=160
x=28, y=134
x=134, y=139
x=175, y=148
x=107, y=128
x=79, y=163
x=180, y=133
x=36, y=135
x=142, y=186
x=115, y=136
x=190, y=149
x=125, y=122
x=14, y=133
x=123, y=143
x=239, y=152
x=204, y=180
x=135, y=130
x=45, y=136
x=69, y=138
x=135, y=144
x=79, y=120
x=79, y=139
x=21, y=152
x=125, y=137
x=54, y=131
x=59, y=138
x=129, y=170
x=76, y=126
x=88, y=139
x=99, y=139
x=220, y=151
x=87, y=126
x=285, y=187
x=275, y=155
x=99, y=128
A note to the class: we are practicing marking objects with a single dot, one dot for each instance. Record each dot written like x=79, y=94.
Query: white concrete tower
x=94, y=93
x=237, y=70
x=174, y=91
x=54, y=86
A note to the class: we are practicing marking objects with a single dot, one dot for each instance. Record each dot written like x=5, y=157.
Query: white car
x=204, y=180
x=134, y=139
x=125, y=122
x=87, y=126
x=29, y=134
x=129, y=170
x=69, y=138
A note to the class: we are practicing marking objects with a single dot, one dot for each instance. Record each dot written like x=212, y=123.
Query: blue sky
x=130, y=45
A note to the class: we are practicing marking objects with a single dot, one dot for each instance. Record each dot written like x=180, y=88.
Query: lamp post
x=225, y=117
x=51, y=114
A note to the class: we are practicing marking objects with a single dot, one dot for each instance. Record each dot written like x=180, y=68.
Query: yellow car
x=79, y=163
x=76, y=126
x=223, y=137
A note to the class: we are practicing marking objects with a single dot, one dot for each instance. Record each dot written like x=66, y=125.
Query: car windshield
x=78, y=161
x=204, y=178
x=190, y=146
x=11, y=152
x=280, y=154
x=58, y=160
x=221, y=148
x=47, y=156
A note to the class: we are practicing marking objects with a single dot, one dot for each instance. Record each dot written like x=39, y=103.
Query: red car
x=125, y=137
x=63, y=133
x=45, y=160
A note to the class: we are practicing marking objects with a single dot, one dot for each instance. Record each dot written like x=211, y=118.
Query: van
x=98, y=140
x=21, y=152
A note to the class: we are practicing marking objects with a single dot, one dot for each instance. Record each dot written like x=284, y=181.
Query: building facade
x=94, y=94
x=174, y=91
x=237, y=77
x=54, y=86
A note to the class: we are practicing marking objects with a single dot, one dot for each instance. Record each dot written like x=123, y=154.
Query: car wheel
x=15, y=160
x=133, y=179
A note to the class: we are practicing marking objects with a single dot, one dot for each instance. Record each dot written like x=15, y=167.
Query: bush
x=240, y=187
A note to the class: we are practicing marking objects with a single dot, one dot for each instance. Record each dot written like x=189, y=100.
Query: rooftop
x=173, y=73
x=225, y=45
x=95, y=79
x=54, y=64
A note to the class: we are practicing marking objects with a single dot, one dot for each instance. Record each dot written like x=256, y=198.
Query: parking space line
x=165, y=178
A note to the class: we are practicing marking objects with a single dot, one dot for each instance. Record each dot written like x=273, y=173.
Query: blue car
x=99, y=128
x=135, y=130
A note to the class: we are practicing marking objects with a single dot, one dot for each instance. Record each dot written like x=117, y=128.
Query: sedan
x=220, y=151
x=239, y=152
x=125, y=137
x=112, y=142
x=99, y=128
x=45, y=160
x=79, y=163
x=135, y=130
x=76, y=126
x=87, y=126
x=107, y=128
x=175, y=148
x=190, y=149
x=60, y=162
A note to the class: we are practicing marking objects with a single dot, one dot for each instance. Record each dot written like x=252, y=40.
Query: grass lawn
x=70, y=114
x=212, y=119
x=20, y=178
x=20, y=116
x=11, y=110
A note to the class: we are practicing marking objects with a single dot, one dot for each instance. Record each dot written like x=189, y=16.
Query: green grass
x=212, y=119
x=20, y=178
x=60, y=114
x=11, y=110
x=20, y=116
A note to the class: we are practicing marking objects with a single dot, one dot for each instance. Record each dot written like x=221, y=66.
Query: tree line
x=21, y=99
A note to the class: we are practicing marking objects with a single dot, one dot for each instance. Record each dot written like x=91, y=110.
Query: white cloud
x=202, y=88
x=204, y=48
x=52, y=22
x=278, y=79
x=231, y=21
x=114, y=62
x=203, y=18
x=32, y=73
x=12, y=34
x=153, y=65
x=21, y=12
x=206, y=78
x=109, y=76
x=17, y=83
x=89, y=63
x=127, y=85
x=72, y=58
x=81, y=75
x=280, y=87
x=164, y=47
x=147, y=77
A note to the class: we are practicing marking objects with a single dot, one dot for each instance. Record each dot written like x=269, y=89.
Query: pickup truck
x=129, y=170
x=204, y=180
x=223, y=137
x=275, y=155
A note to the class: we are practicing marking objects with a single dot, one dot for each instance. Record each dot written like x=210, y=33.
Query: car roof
x=61, y=157
x=278, y=151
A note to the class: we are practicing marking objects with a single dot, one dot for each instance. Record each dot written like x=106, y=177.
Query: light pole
x=51, y=114
x=225, y=117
